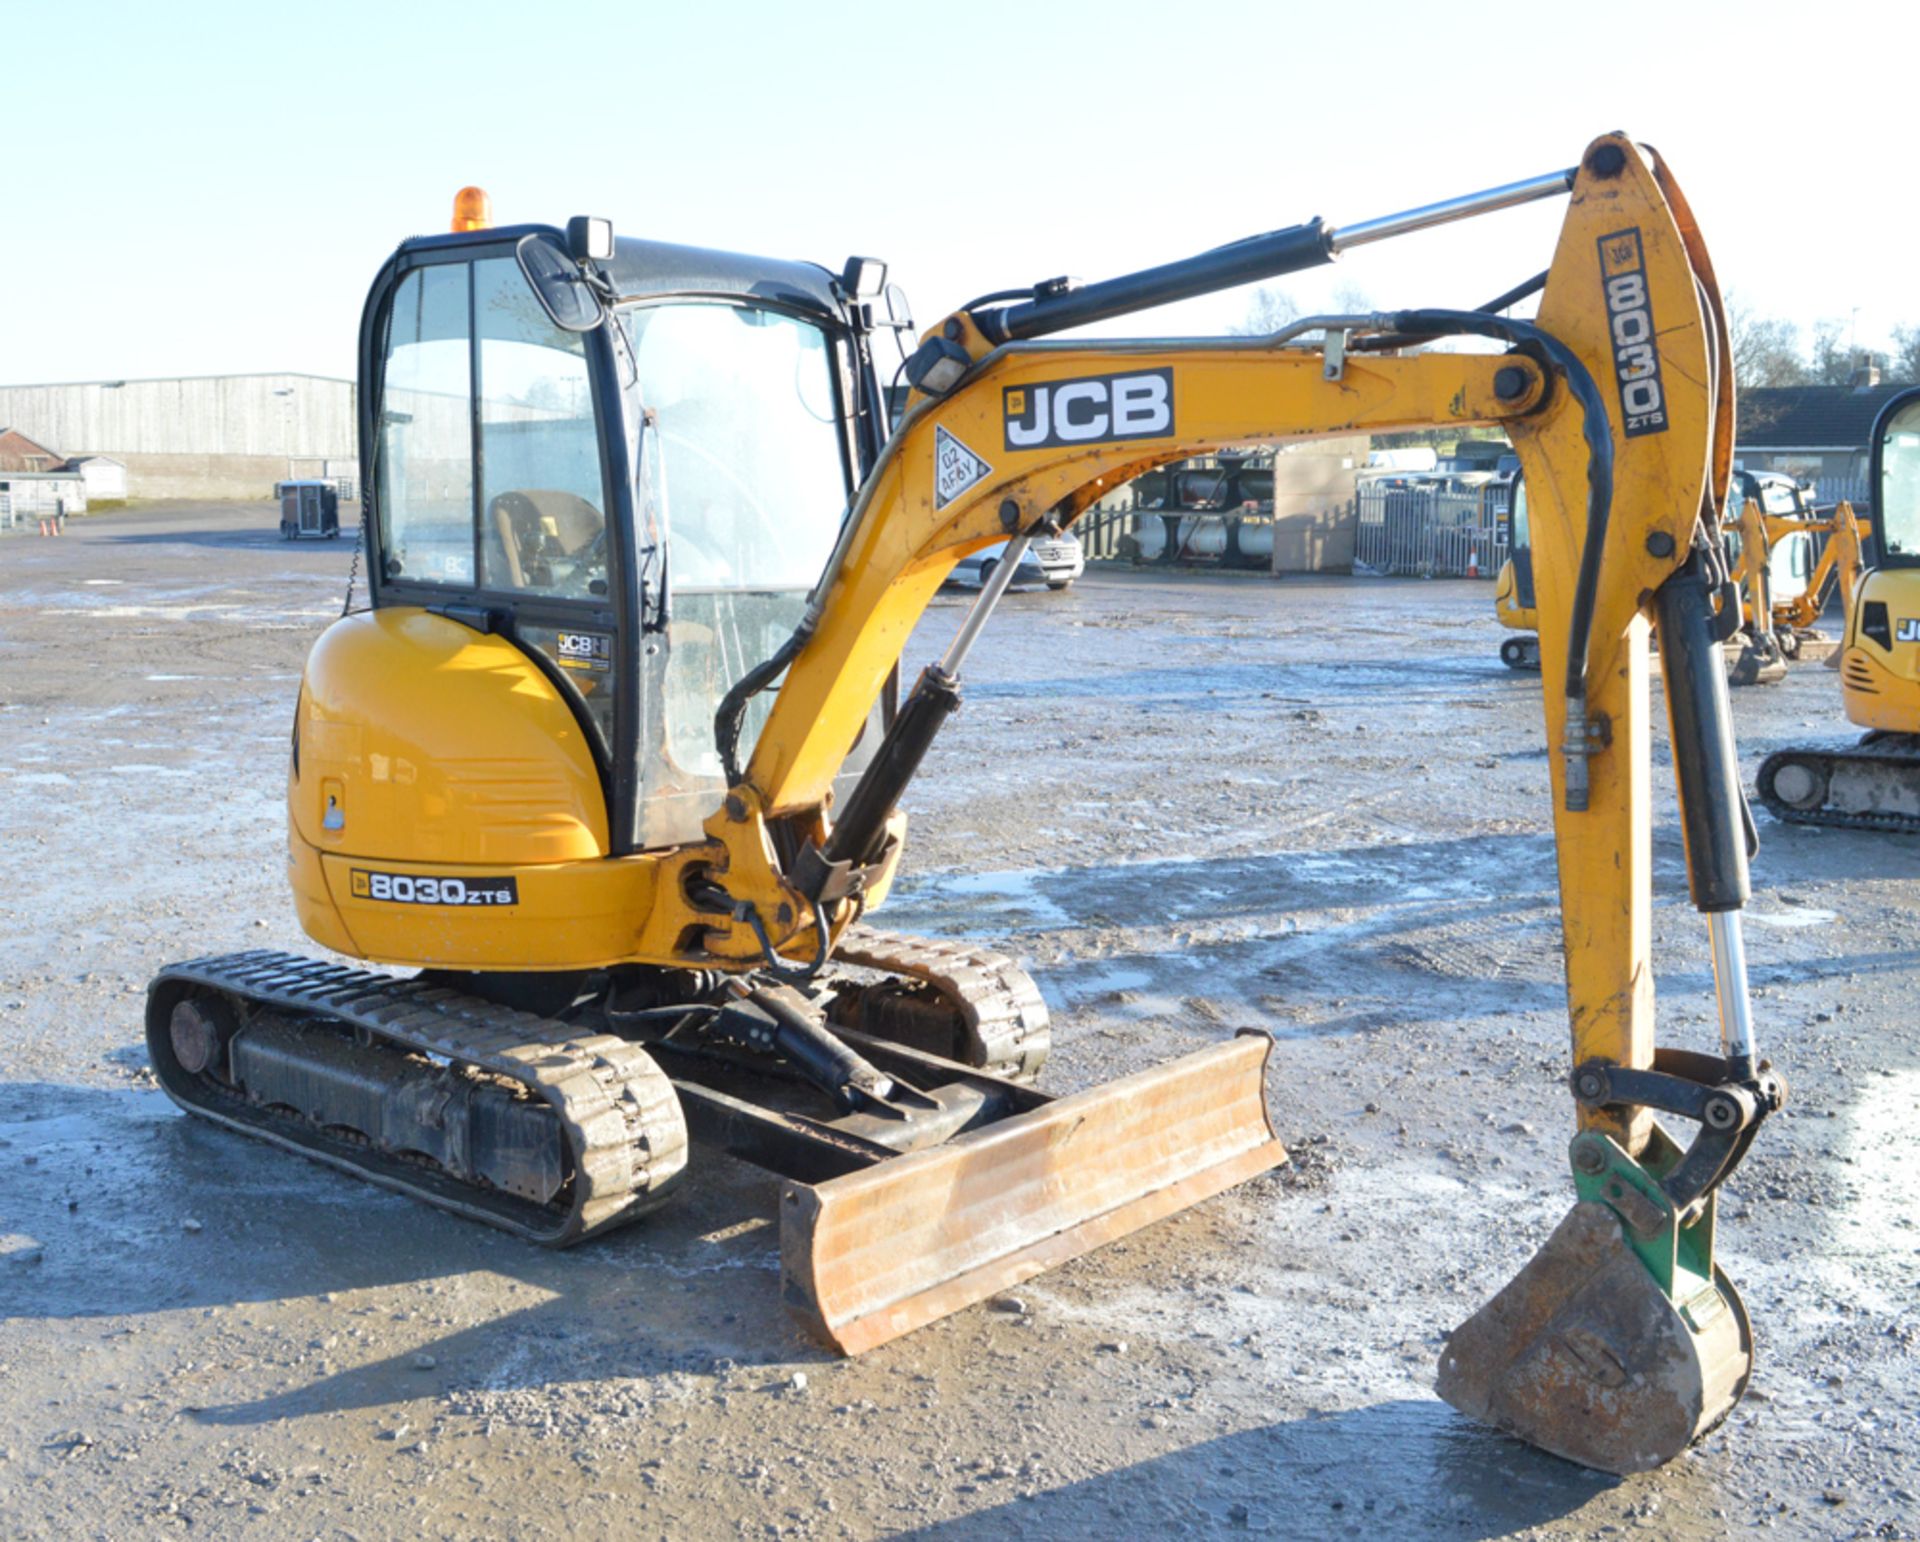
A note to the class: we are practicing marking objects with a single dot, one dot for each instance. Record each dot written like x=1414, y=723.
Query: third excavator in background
x=1873, y=783
x=612, y=761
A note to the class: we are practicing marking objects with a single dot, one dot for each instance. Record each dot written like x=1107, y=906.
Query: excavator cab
x=1789, y=553
x=637, y=494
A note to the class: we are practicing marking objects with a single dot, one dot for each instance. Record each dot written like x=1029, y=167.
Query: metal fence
x=1430, y=532
x=1853, y=490
x=1100, y=531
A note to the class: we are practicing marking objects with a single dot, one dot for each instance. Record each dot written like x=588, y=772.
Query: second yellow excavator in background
x=1790, y=557
x=613, y=760
x=1874, y=783
x=1785, y=557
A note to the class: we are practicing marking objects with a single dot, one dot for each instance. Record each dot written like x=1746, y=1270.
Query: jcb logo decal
x=1909, y=630
x=1636, y=360
x=1091, y=410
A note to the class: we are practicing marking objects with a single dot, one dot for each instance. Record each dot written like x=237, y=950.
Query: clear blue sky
x=208, y=187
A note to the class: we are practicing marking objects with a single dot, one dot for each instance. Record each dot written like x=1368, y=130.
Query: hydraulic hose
x=732, y=711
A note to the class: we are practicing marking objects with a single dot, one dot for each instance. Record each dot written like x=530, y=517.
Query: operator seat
x=531, y=523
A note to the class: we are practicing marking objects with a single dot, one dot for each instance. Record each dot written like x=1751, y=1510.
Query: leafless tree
x=1268, y=310
x=1904, y=367
x=1766, y=350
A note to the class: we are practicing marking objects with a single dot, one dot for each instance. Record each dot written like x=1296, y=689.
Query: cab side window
x=542, y=511
x=426, y=431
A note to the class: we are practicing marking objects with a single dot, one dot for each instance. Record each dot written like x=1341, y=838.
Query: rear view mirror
x=559, y=285
x=899, y=310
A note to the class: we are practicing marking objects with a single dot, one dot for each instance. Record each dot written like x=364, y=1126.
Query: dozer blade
x=880, y=1252
x=1585, y=1356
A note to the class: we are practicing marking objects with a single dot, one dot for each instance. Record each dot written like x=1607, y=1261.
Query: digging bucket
x=1586, y=1355
x=878, y=1253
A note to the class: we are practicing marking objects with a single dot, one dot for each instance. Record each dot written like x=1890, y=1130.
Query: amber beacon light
x=472, y=210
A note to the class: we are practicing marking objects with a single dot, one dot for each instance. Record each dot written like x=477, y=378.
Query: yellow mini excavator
x=613, y=761
x=1768, y=533
x=1771, y=531
x=1874, y=783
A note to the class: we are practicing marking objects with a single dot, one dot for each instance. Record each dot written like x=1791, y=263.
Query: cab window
x=1896, y=508
x=543, y=518
x=478, y=377
x=425, y=476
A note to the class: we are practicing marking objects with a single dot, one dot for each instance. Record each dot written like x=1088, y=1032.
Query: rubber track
x=1907, y=758
x=621, y=1117
x=1005, y=1017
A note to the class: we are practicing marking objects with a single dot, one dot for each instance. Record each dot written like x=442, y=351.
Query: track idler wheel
x=1520, y=652
x=1584, y=1355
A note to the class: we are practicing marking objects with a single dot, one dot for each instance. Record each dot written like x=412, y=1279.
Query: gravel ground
x=1189, y=804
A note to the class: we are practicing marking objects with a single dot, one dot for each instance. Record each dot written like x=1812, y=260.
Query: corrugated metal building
x=211, y=436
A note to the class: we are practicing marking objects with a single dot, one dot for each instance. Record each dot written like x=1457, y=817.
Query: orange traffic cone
x=1473, y=564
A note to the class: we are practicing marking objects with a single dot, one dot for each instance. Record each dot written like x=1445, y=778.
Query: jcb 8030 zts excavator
x=613, y=761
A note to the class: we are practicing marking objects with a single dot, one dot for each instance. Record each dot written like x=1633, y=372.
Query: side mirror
x=558, y=284
x=590, y=239
x=899, y=310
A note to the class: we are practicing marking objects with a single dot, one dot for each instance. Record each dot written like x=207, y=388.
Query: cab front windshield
x=1896, y=510
x=745, y=488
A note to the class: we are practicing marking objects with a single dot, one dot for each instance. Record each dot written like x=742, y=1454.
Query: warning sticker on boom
x=1636, y=360
x=955, y=468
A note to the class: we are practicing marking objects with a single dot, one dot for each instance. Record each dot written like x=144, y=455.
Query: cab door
x=498, y=494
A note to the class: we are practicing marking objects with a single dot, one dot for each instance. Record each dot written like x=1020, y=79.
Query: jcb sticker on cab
x=585, y=650
x=1909, y=629
x=1636, y=359
x=1090, y=410
x=416, y=889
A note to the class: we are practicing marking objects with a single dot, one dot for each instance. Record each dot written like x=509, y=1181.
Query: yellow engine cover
x=1506, y=601
x=1880, y=674
x=444, y=807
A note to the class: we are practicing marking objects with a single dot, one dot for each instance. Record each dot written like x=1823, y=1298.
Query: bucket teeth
x=1583, y=1354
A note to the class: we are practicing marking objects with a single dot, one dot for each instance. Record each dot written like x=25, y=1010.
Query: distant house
x=1818, y=434
x=105, y=477
x=37, y=480
x=19, y=453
